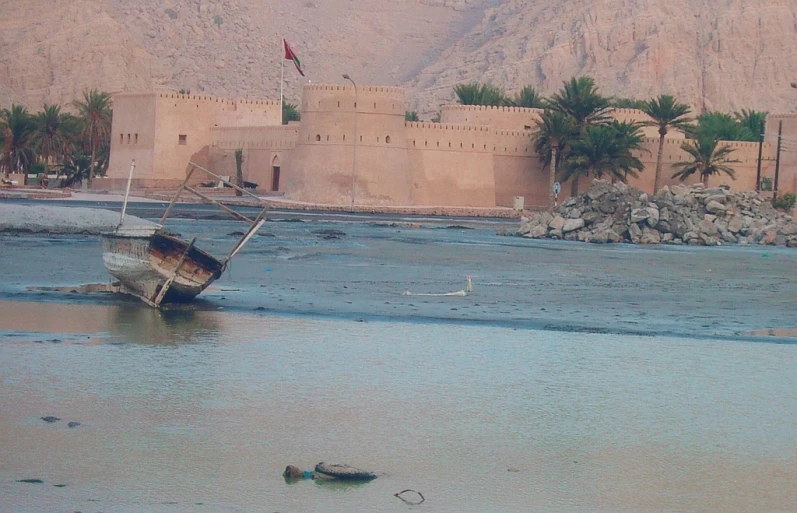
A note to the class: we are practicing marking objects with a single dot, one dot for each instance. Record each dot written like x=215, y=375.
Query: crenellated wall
x=354, y=146
x=787, y=174
x=518, y=169
x=506, y=118
x=451, y=164
x=171, y=127
x=327, y=166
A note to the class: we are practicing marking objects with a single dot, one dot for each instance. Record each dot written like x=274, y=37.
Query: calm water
x=201, y=411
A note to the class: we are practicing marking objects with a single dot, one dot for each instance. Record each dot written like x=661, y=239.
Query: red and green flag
x=289, y=55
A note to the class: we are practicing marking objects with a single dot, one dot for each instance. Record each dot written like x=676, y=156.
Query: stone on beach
x=677, y=214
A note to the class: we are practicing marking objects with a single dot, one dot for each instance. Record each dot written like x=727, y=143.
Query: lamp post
x=354, y=151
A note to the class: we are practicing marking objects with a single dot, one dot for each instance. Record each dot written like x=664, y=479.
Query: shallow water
x=575, y=378
x=185, y=407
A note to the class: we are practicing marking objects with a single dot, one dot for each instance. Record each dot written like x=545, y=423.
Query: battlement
x=514, y=133
x=213, y=99
x=360, y=89
x=482, y=108
x=446, y=126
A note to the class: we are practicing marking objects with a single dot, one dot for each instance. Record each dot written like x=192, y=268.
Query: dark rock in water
x=260, y=309
x=50, y=418
x=343, y=472
x=73, y=424
x=59, y=485
x=329, y=233
x=236, y=234
x=32, y=481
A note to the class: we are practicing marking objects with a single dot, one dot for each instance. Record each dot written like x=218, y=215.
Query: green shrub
x=410, y=115
x=172, y=13
x=785, y=202
x=217, y=20
x=766, y=184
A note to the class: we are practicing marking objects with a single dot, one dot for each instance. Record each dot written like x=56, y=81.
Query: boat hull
x=145, y=264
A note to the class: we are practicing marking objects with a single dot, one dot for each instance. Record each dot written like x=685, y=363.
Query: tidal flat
x=572, y=378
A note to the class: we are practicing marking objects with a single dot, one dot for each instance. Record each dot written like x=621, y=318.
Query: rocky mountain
x=715, y=54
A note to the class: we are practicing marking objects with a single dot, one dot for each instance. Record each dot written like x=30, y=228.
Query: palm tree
x=627, y=103
x=48, y=135
x=601, y=150
x=580, y=99
x=15, y=126
x=528, y=98
x=410, y=115
x=555, y=130
x=666, y=114
x=480, y=94
x=706, y=160
x=753, y=120
x=290, y=112
x=721, y=127
x=95, y=110
x=239, y=174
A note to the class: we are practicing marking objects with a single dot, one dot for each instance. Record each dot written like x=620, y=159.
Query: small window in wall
x=182, y=139
x=318, y=137
x=361, y=138
x=136, y=137
x=121, y=138
x=387, y=139
x=128, y=138
x=374, y=106
x=344, y=137
x=327, y=138
x=377, y=138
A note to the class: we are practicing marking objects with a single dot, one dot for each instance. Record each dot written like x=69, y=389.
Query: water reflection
x=177, y=325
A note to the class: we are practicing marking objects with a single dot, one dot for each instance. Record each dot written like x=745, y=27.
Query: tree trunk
x=574, y=186
x=239, y=174
x=704, y=179
x=552, y=178
x=657, y=180
x=93, y=157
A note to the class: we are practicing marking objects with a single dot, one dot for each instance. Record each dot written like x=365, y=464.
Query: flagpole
x=282, y=73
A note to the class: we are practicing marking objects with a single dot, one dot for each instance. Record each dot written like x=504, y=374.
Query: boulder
x=635, y=233
x=715, y=207
x=557, y=223
x=650, y=236
x=572, y=225
x=735, y=224
x=638, y=214
x=653, y=216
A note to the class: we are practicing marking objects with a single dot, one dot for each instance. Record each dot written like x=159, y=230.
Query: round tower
x=351, y=147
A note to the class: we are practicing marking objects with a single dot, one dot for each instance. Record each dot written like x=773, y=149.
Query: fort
x=354, y=147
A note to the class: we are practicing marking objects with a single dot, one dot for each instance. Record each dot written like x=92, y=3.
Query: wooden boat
x=159, y=268
x=343, y=472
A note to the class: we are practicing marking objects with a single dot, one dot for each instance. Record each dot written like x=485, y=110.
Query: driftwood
x=413, y=503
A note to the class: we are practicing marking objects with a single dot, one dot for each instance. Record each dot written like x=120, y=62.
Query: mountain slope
x=714, y=54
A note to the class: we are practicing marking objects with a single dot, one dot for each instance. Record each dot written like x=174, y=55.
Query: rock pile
x=677, y=214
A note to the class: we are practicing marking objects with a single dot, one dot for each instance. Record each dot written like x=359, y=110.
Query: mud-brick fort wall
x=518, y=169
x=167, y=128
x=451, y=164
x=132, y=135
x=503, y=118
x=746, y=153
x=264, y=149
x=323, y=167
x=787, y=174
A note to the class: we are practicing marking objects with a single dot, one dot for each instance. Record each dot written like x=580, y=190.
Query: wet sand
x=365, y=273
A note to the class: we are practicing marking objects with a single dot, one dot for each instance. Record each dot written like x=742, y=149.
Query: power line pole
x=777, y=159
x=760, y=149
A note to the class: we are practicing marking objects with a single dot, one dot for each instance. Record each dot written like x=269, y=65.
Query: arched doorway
x=275, y=173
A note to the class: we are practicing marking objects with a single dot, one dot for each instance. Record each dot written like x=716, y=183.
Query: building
x=353, y=146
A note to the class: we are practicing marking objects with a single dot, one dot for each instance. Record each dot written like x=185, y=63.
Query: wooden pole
x=760, y=149
x=176, y=196
x=220, y=205
x=777, y=160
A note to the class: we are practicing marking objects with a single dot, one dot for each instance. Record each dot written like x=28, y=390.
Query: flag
x=289, y=55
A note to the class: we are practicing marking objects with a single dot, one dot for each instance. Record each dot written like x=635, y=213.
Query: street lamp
x=354, y=151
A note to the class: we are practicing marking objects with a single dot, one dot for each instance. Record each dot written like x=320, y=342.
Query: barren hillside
x=723, y=54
